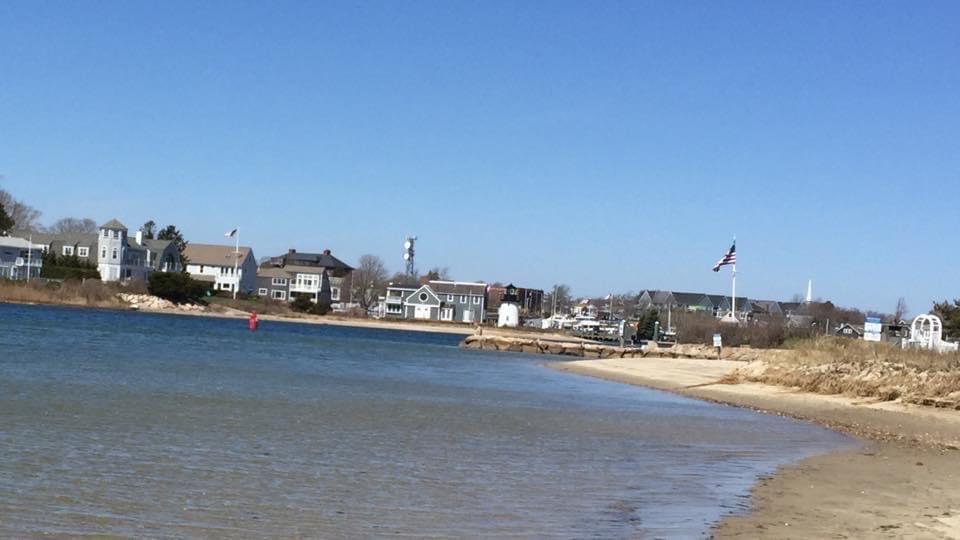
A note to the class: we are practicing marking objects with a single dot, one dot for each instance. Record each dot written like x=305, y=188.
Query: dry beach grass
x=860, y=369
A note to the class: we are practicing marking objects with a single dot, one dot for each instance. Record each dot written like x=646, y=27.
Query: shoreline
x=904, y=480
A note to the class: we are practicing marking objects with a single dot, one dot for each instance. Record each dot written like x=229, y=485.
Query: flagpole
x=733, y=299
x=236, y=262
x=29, y=257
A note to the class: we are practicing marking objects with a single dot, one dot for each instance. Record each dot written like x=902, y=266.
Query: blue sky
x=610, y=146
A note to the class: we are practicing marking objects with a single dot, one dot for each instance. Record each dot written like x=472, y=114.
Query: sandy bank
x=903, y=483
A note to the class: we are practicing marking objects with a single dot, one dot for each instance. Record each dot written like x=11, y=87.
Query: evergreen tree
x=6, y=222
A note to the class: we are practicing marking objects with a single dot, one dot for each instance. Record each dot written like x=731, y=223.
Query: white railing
x=22, y=261
x=394, y=299
x=301, y=287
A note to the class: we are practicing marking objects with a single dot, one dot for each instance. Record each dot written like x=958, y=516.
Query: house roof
x=689, y=299
x=16, y=242
x=70, y=239
x=272, y=271
x=457, y=287
x=412, y=285
x=325, y=260
x=156, y=245
x=288, y=270
x=113, y=224
x=214, y=255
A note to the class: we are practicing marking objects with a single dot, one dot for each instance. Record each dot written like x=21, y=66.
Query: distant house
x=790, y=308
x=117, y=256
x=586, y=307
x=663, y=301
x=848, y=330
x=319, y=276
x=224, y=267
x=767, y=308
x=19, y=258
x=437, y=300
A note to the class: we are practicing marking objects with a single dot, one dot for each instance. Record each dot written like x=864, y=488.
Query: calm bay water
x=146, y=425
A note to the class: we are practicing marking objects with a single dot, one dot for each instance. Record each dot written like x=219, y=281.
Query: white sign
x=717, y=340
x=872, y=329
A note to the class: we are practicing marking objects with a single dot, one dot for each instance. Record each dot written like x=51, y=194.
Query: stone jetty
x=586, y=349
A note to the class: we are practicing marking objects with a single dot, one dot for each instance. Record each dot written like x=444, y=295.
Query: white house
x=19, y=258
x=220, y=265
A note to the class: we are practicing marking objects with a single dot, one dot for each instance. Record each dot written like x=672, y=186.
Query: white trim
x=277, y=294
x=262, y=291
x=67, y=251
x=83, y=251
x=279, y=281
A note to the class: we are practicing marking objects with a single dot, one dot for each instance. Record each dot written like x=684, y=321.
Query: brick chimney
x=326, y=252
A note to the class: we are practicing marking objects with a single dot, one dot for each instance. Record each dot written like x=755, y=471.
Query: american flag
x=729, y=258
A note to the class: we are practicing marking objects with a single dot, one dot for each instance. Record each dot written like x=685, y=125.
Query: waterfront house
x=115, y=255
x=225, y=267
x=19, y=258
x=391, y=304
x=437, y=300
x=319, y=276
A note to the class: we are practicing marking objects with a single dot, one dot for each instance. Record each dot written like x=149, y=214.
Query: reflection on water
x=146, y=425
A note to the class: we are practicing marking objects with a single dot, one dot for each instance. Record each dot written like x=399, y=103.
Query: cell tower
x=408, y=245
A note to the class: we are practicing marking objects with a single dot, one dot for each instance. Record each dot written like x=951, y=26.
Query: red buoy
x=252, y=322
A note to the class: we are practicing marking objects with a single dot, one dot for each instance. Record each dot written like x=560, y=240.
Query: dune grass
x=71, y=292
x=857, y=368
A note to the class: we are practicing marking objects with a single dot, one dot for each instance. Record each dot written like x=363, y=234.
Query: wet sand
x=904, y=482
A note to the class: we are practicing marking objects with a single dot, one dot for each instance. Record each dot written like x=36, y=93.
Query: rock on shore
x=154, y=303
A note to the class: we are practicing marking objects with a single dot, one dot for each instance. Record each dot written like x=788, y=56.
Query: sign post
x=718, y=343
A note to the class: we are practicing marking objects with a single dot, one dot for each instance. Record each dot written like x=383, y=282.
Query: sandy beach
x=902, y=482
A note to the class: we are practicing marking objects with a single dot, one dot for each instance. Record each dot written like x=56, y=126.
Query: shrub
x=177, y=287
x=68, y=272
x=302, y=303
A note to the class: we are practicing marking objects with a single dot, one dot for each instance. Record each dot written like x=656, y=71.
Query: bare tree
x=561, y=293
x=367, y=280
x=437, y=273
x=23, y=215
x=900, y=311
x=74, y=225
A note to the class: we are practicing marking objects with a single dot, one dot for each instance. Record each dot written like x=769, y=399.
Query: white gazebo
x=926, y=332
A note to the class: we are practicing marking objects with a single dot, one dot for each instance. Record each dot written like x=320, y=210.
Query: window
x=335, y=294
x=279, y=281
x=446, y=314
x=262, y=292
x=308, y=281
x=83, y=251
x=114, y=253
x=103, y=253
x=449, y=298
x=279, y=295
x=476, y=299
x=67, y=250
x=463, y=299
x=423, y=297
x=105, y=233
